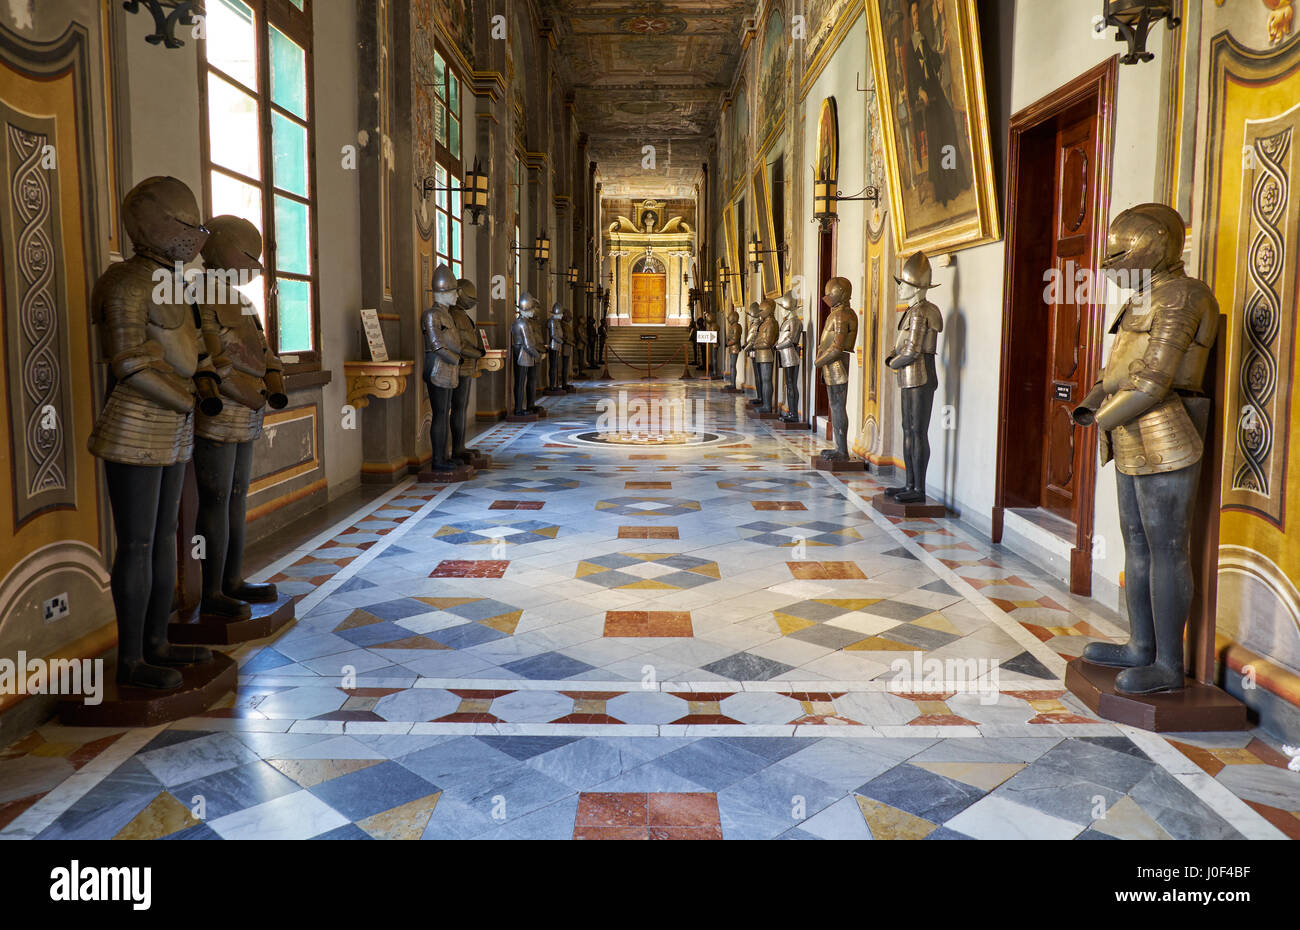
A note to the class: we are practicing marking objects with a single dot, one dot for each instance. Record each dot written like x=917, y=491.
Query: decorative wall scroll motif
x=1265, y=327
x=34, y=338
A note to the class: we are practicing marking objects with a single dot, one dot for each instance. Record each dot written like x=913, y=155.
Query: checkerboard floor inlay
x=657, y=650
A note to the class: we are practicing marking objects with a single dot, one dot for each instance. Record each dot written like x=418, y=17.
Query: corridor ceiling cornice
x=648, y=73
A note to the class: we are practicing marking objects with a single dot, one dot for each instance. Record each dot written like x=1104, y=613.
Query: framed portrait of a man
x=934, y=119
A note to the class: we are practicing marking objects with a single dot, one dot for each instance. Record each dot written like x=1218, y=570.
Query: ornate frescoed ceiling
x=648, y=73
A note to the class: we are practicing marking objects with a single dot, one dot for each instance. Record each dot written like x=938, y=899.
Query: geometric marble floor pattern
x=666, y=645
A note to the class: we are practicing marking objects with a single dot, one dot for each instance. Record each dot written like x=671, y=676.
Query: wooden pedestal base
x=522, y=418
x=892, y=508
x=459, y=473
x=1197, y=707
x=479, y=460
x=199, y=629
x=790, y=425
x=755, y=414
x=126, y=706
x=836, y=465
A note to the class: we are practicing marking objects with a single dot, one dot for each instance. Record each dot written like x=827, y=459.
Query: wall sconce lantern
x=572, y=276
x=826, y=198
x=591, y=288
x=164, y=23
x=474, y=193
x=1134, y=19
x=708, y=288
x=541, y=249
x=756, y=251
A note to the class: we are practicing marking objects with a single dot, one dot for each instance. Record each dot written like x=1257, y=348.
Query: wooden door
x=1068, y=311
x=649, y=299
x=825, y=271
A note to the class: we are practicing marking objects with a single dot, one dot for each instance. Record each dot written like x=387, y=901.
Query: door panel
x=649, y=299
x=1072, y=259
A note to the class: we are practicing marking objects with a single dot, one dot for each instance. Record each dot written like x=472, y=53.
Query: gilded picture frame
x=736, y=278
x=766, y=227
x=934, y=117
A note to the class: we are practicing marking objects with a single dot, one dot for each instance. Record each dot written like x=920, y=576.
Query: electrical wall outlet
x=56, y=608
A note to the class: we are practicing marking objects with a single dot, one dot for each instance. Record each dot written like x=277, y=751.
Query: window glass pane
x=453, y=94
x=297, y=3
x=289, y=154
x=288, y=74
x=232, y=44
x=453, y=139
x=236, y=198
x=457, y=270
x=232, y=128
x=442, y=235
x=439, y=76
x=455, y=196
x=239, y=199
x=440, y=198
x=455, y=240
x=292, y=243
x=293, y=310
x=440, y=122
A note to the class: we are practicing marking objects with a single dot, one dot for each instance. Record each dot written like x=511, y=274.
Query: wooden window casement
x=258, y=146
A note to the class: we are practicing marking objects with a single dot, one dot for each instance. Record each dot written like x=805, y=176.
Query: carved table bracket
x=375, y=379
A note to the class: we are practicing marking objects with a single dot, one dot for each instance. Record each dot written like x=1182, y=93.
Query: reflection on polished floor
x=653, y=640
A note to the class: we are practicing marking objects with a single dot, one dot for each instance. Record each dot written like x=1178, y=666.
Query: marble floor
x=616, y=634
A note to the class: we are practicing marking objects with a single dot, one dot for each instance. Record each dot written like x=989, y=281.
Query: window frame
x=448, y=204
x=295, y=25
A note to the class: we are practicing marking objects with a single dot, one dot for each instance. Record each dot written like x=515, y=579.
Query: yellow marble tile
x=937, y=621
x=164, y=816
x=790, y=624
x=310, y=772
x=703, y=707
x=406, y=822
x=504, y=623
x=1048, y=707
x=1237, y=757
x=983, y=775
x=933, y=707
x=1127, y=821
x=889, y=823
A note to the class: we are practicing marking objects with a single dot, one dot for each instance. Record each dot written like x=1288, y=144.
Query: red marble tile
x=686, y=833
x=943, y=720
x=586, y=718
x=368, y=715
x=1266, y=753
x=1285, y=821
x=11, y=810
x=517, y=505
x=593, y=695
x=83, y=754
x=471, y=568
x=611, y=833
x=612, y=809
x=664, y=623
x=470, y=717
x=706, y=720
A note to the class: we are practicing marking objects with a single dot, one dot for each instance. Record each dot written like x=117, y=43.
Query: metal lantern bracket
x=1134, y=19
x=165, y=23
